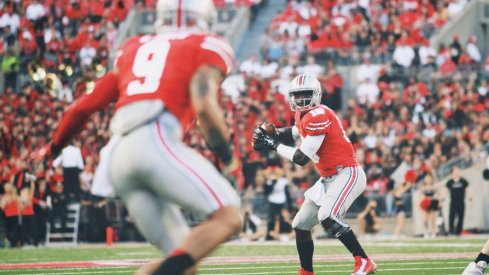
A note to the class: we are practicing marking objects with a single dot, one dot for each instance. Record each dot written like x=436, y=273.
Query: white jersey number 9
x=149, y=64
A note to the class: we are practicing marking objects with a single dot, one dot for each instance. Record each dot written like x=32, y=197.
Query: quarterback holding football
x=324, y=142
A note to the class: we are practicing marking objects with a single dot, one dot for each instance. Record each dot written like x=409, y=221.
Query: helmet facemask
x=304, y=100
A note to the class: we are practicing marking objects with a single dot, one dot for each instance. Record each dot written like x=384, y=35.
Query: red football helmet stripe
x=301, y=80
x=179, y=14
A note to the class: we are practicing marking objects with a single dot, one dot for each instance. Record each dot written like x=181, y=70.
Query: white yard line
x=345, y=271
x=263, y=273
x=325, y=265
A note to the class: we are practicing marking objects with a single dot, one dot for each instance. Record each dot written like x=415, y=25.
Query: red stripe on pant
x=182, y=163
x=344, y=194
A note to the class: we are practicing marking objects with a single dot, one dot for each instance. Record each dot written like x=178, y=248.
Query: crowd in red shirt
x=346, y=29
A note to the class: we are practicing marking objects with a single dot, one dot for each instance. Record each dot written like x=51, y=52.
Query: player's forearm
x=215, y=133
x=203, y=90
x=293, y=154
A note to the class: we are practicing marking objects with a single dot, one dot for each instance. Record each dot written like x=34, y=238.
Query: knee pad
x=335, y=226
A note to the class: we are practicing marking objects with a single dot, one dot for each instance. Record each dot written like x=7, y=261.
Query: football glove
x=262, y=140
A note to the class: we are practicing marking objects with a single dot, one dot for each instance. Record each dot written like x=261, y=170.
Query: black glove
x=262, y=140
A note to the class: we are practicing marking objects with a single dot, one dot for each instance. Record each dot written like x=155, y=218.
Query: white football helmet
x=184, y=15
x=304, y=93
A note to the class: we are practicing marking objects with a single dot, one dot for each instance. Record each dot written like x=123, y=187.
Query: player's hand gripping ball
x=265, y=137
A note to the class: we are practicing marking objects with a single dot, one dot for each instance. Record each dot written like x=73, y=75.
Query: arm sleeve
x=105, y=91
x=310, y=145
x=295, y=133
x=216, y=52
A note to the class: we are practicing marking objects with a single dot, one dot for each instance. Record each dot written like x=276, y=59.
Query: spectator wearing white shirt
x=429, y=131
x=35, y=12
x=87, y=54
x=65, y=94
x=295, y=46
x=233, y=86
x=307, y=10
x=50, y=33
x=403, y=55
x=472, y=49
x=311, y=68
x=289, y=26
x=290, y=70
x=10, y=19
x=268, y=69
x=250, y=66
x=425, y=51
x=304, y=30
x=371, y=139
x=456, y=6
x=367, y=71
x=367, y=92
x=71, y=159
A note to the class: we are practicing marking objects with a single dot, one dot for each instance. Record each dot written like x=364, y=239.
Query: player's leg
x=161, y=222
x=303, y=223
x=170, y=171
x=193, y=183
x=478, y=266
x=341, y=193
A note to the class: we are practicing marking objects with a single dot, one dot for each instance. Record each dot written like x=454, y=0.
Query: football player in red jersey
x=161, y=83
x=342, y=180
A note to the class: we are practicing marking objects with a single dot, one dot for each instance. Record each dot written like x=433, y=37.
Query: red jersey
x=151, y=67
x=336, y=150
x=161, y=67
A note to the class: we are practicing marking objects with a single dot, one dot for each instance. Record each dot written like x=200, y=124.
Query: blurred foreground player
x=161, y=83
x=342, y=180
x=478, y=266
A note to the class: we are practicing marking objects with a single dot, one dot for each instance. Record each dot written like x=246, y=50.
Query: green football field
x=414, y=256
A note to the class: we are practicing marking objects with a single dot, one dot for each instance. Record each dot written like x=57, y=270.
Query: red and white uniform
x=336, y=151
x=151, y=67
x=161, y=67
x=342, y=178
x=149, y=166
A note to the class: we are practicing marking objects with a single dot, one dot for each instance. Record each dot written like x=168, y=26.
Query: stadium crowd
x=419, y=108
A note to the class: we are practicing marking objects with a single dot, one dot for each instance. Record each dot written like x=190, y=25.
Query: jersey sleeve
x=123, y=48
x=217, y=52
x=105, y=91
x=317, y=124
